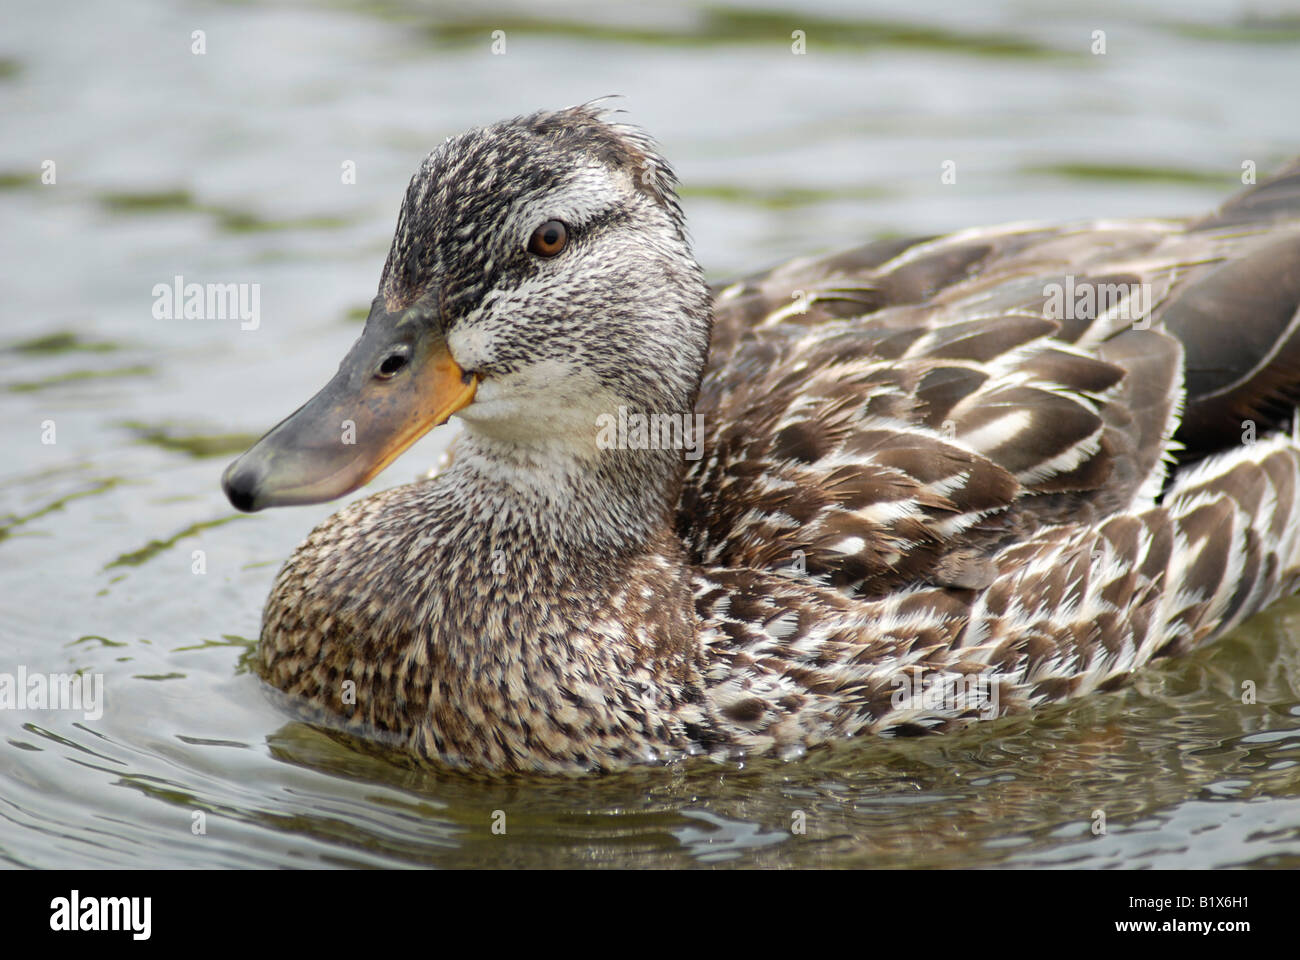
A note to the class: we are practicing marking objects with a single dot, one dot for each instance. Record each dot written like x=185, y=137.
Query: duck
x=893, y=490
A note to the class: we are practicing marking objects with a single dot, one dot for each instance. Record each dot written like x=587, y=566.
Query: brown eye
x=391, y=365
x=548, y=239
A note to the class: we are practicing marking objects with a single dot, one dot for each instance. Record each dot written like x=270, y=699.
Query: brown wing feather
x=891, y=415
x=1070, y=610
x=1241, y=329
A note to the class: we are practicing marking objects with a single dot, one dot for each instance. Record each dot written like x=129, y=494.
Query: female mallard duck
x=942, y=479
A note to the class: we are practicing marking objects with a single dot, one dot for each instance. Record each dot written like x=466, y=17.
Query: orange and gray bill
x=359, y=423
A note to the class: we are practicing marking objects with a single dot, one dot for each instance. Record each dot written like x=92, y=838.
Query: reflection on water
x=119, y=556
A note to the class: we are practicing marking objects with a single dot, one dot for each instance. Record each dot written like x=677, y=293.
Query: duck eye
x=548, y=239
x=391, y=364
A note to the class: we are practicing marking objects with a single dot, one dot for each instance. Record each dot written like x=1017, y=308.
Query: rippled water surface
x=226, y=167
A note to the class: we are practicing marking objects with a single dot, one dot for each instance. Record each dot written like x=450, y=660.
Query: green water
x=120, y=557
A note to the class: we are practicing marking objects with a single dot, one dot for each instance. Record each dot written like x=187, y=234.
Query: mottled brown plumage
x=919, y=473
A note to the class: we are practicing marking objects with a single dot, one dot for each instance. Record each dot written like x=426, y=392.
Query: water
x=226, y=167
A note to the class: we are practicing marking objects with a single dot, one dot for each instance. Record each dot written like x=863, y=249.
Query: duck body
x=934, y=485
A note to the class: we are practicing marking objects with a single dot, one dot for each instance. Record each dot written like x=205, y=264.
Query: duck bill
x=355, y=427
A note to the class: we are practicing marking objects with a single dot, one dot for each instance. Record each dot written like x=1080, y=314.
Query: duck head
x=540, y=278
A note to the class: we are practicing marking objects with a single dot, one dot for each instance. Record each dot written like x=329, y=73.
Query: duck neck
x=595, y=502
x=547, y=552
